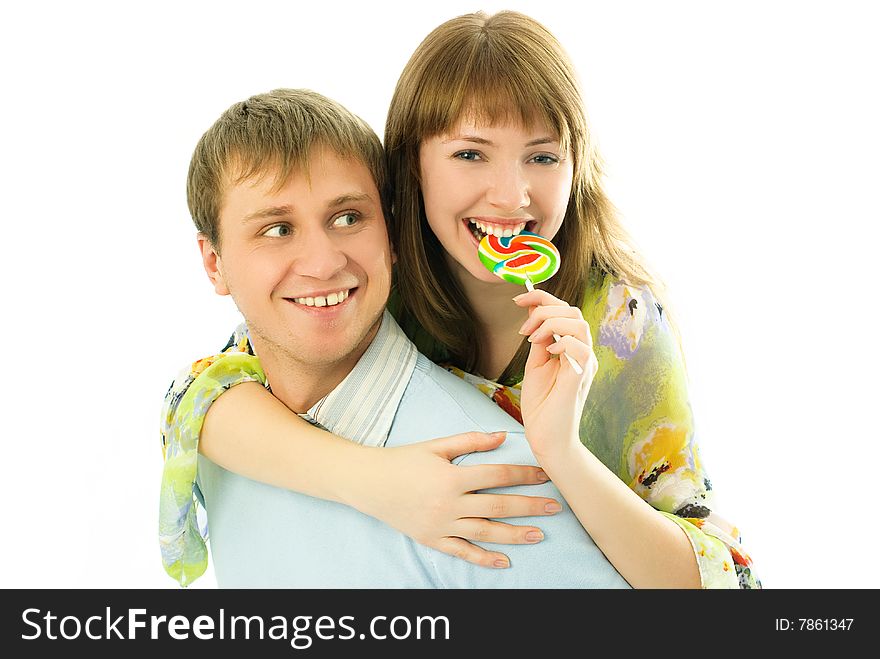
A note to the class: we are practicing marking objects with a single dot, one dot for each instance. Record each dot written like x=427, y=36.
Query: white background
x=742, y=145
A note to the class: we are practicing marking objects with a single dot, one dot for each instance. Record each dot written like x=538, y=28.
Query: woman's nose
x=508, y=188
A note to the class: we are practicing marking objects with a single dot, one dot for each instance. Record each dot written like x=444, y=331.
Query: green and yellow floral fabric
x=637, y=420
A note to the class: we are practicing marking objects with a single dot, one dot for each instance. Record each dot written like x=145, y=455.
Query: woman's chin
x=481, y=274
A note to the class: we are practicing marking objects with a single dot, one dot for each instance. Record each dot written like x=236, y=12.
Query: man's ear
x=211, y=261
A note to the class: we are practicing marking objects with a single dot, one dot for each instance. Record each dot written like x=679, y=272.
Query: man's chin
x=330, y=348
x=324, y=353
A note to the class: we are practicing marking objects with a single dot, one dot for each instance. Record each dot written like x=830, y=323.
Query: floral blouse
x=637, y=420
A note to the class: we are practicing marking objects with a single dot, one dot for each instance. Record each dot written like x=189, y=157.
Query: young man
x=287, y=190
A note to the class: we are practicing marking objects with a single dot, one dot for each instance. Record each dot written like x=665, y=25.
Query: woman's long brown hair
x=495, y=69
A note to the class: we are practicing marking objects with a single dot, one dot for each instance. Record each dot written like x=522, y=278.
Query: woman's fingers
x=568, y=336
x=541, y=314
x=484, y=530
x=537, y=298
x=483, y=477
x=503, y=506
x=471, y=553
x=576, y=328
x=577, y=350
x=552, y=319
x=467, y=442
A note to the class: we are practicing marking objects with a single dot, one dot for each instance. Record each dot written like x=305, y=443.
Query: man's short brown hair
x=274, y=133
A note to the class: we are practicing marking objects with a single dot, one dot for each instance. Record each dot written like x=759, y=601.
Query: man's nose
x=508, y=188
x=319, y=256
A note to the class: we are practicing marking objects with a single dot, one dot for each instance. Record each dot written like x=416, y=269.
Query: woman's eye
x=346, y=220
x=545, y=159
x=278, y=231
x=468, y=155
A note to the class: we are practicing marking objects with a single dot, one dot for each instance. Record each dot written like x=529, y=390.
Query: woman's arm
x=414, y=488
x=648, y=549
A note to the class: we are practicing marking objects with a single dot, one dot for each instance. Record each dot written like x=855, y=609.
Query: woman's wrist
x=553, y=451
x=355, y=482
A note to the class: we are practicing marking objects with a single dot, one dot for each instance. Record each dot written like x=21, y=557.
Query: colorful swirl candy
x=526, y=257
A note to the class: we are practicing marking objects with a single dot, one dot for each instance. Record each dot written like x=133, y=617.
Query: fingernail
x=552, y=508
x=543, y=477
x=502, y=562
x=534, y=536
x=517, y=297
x=500, y=434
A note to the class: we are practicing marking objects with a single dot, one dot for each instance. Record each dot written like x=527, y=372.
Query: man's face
x=308, y=266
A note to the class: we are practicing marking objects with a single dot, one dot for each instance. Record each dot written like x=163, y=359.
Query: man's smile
x=324, y=302
x=323, y=299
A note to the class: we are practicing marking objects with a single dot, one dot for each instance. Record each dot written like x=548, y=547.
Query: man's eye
x=468, y=155
x=278, y=231
x=346, y=220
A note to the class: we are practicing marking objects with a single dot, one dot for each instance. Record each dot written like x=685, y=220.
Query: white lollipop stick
x=577, y=368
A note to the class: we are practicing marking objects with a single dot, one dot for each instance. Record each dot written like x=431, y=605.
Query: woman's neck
x=497, y=320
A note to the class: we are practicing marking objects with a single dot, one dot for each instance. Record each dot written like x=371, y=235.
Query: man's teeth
x=331, y=300
x=498, y=230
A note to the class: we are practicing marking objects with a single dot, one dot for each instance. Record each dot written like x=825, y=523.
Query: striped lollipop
x=521, y=259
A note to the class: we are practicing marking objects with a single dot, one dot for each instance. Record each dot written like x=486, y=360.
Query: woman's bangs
x=506, y=101
x=489, y=95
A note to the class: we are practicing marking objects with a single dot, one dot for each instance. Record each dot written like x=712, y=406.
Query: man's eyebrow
x=286, y=210
x=549, y=139
x=348, y=198
x=270, y=211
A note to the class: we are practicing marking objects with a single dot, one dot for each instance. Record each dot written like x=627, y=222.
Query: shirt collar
x=362, y=406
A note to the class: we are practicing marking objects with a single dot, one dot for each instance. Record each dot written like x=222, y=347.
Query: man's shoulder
x=436, y=404
x=437, y=383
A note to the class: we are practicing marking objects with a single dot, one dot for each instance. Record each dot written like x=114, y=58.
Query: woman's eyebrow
x=542, y=140
x=549, y=139
x=468, y=138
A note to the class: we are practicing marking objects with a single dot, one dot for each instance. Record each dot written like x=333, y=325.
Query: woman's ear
x=211, y=261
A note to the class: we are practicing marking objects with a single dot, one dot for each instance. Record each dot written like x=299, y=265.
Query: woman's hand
x=414, y=488
x=420, y=492
x=553, y=394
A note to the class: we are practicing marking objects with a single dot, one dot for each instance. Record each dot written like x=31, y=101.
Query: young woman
x=486, y=133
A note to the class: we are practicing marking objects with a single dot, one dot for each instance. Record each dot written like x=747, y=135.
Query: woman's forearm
x=272, y=444
x=649, y=550
x=414, y=488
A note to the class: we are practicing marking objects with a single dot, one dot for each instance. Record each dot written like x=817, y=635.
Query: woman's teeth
x=480, y=230
x=320, y=301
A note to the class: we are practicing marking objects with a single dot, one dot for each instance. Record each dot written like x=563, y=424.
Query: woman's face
x=499, y=179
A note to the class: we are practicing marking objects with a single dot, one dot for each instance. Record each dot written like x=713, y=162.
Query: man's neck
x=299, y=385
x=300, y=388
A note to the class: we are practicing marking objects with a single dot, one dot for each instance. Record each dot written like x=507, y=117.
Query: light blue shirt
x=266, y=537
